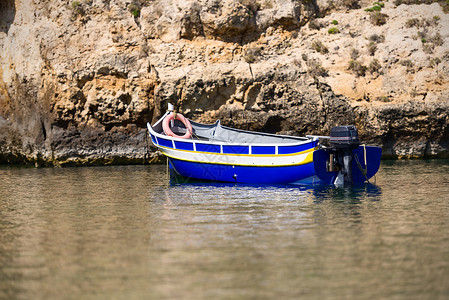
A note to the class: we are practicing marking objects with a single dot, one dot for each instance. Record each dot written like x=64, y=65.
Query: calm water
x=123, y=233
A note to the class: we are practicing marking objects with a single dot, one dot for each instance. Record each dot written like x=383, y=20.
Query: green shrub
x=251, y=55
x=383, y=99
x=428, y=48
x=377, y=38
x=134, y=9
x=414, y=22
x=377, y=18
x=437, y=40
x=315, y=68
x=372, y=48
x=334, y=22
x=429, y=42
x=412, y=2
x=409, y=64
x=381, y=4
x=406, y=63
x=355, y=54
x=374, y=67
x=433, y=62
x=376, y=7
x=422, y=23
x=249, y=58
x=319, y=47
x=423, y=34
x=333, y=30
x=435, y=20
x=357, y=68
x=77, y=9
x=445, y=6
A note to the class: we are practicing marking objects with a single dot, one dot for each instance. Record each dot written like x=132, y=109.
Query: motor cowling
x=344, y=137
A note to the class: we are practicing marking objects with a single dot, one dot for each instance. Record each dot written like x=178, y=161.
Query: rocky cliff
x=80, y=79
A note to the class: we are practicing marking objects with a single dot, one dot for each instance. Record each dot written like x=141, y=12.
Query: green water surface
x=124, y=233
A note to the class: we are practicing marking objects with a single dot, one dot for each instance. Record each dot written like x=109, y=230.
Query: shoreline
x=154, y=158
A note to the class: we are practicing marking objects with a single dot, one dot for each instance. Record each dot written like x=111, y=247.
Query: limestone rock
x=79, y=80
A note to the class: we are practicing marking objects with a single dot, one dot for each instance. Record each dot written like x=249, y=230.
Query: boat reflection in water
x=319, y=192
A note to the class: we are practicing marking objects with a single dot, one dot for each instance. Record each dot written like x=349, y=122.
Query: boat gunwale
x=304, y=140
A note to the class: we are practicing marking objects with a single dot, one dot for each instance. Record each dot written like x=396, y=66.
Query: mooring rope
x=364, y=171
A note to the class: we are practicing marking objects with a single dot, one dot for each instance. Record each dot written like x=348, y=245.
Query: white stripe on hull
x=242, y=160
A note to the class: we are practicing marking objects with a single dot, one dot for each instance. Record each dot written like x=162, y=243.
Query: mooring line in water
x=167, y=170
x=145, y=156
x=363, y=170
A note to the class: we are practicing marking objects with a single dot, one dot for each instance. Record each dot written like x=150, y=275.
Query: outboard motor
x=343, y=139
x=344, y=161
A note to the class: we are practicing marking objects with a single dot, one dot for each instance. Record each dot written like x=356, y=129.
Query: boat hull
x=238, y=162
x=242, y=174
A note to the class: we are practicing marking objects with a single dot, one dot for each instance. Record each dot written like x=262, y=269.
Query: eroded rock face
x=79, y=81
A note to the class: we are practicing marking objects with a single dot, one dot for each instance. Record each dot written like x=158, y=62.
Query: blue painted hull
x=242, y=174
x=373, y=155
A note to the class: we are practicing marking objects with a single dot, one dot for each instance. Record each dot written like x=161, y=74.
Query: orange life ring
x=169, y=132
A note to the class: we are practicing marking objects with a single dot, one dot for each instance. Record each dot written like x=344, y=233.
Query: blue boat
x=219, y=153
